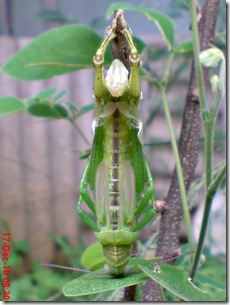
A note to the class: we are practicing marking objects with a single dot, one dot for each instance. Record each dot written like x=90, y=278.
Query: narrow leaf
x=211, y=281
x=93, y=283
x=55, y=52
x=60, y=95
x=140, y=45
x=163, y=22
x=46, y=93
x=86, y=108
x=47, y=110
x=62, y=112
x=10, y=105
x=219, y=296
x=84, y=154
x=184, y=47
x=72, y=106
x=177, y=281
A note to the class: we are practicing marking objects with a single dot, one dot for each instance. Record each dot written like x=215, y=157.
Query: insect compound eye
x=117, y=78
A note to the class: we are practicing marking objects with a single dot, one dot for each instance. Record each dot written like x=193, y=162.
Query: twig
x=79, y=130
x=208, y=202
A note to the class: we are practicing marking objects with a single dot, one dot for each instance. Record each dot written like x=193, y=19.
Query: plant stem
x=209, y=130
x=176, y=152
x=215, y=107
x=80, y=131
x=215, y=184
x=196, y=52
x=161, y=292
x=208, y=203
x=167, y=70
x=179, y=169
x=209, y=123
x=189, y=142
x=208, y=151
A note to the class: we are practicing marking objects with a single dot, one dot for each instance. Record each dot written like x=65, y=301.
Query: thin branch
x=208, y=202
x=196, y=52
x=215, y=184
x=179, y=170
x=79, y=130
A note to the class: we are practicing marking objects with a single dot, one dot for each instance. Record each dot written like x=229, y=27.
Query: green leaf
x=64, y=244
x=22, y=246
x=92, y=258
x=34, y=100
x=94, y=283
x=211, y=57
x=84, y=154
x=184, y=47
x=140, y=45
x=55, y=52
x=72, y=106
x=86, y=108
x=212, y=281
x=216, y=293
x=220, y=296
x=177, y=281
x=47, y=110
x=77, y=112
x=60, y=95
x=46, y=93
x=10, y=105
x=163, y=22
x=62, y=112
x=99, y=282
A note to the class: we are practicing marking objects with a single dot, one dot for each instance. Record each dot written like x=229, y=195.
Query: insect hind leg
x=85, y=196
x=143, y=202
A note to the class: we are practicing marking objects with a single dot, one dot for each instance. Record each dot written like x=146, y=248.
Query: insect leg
x=142, y=203
x=83, y=188
x=85, y=196
x=86, y=218
x=134, y=79
x=98, y=60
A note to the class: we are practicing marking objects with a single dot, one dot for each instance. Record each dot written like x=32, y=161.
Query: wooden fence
x=39, y=166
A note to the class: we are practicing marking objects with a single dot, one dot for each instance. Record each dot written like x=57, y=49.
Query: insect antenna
x=156, y=264
x=70, y=268
x=178, y=256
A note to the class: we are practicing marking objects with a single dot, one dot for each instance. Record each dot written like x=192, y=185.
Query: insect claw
x=161, y=205
x=127, y=268
x=108, y=31
x=157, y=269
x=106, y=269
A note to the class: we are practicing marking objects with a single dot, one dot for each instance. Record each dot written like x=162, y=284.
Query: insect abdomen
x=115, y=195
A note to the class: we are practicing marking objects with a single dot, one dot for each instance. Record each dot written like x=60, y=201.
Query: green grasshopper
x=117, y=184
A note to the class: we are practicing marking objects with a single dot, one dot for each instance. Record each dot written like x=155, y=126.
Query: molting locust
x=117, y=184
